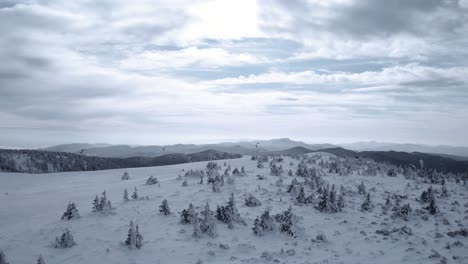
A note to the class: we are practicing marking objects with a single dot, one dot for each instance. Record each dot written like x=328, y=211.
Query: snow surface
x=31, y=206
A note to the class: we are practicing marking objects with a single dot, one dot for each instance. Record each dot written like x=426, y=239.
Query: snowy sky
x=161, y=72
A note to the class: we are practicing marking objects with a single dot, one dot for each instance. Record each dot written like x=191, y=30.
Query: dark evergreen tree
x=125, y=195
x=427, y=195
x=187, y=215
x=65, y=240
x=185, y=183
x=362, y=188
x=40, y=260
x=71, y=212
x=367, y=205
x=432, y=207
x=135, y=194
x=164, y=208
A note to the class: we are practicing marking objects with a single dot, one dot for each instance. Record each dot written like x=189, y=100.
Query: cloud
x=192, y=56
x=150, y=72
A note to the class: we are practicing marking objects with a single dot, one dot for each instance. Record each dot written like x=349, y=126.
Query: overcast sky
x=162, y=72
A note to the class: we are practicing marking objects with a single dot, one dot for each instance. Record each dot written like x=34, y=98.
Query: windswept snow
x=31, y=207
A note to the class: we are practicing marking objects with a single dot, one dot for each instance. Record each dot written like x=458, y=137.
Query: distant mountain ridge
x=460, y=153
x=242, y=147
x=38, y=161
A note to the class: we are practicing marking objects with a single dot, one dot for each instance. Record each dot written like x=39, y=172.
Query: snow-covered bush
x=65, y=240
x=401, y=211
x=40, y=260
x=71, y=212
x=151, y=180
x=252, y=201
x=125, y=176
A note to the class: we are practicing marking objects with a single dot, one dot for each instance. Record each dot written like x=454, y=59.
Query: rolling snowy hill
x=31, y=207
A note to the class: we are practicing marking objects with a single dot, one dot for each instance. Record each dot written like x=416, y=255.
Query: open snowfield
x=31, y=206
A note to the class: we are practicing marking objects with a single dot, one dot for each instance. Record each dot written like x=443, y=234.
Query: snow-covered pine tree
x=96, y=206
x=290, y=173
x=427, y=195
x=125, y=195
x=197, y=233
x=243, y=172
x=362, y=188
x=324, y=205
x=236, y=172
x=252, y=201
x=260, y=164
x=3, y=259
x=293, y=187
x=302, y=198
x=187, y=215
x=65, y=240
x=263, y=223
x=228, y=214
x=444, y=192
x=139, y=238
x=40, y=260
x=71, y=212
x=287, y=222
x=125, y=176
x=164, y=208
x=388, y=204
x=367, y=205
x=332, y=199
x=208, y=222
x=432, y=207
x=134, y=238
x=401, y=211
x=135, y=194
x=340, y=202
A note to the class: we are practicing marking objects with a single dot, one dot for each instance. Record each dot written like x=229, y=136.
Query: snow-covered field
x=31, y=206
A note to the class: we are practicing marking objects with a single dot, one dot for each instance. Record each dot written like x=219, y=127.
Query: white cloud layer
x=159, y=72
